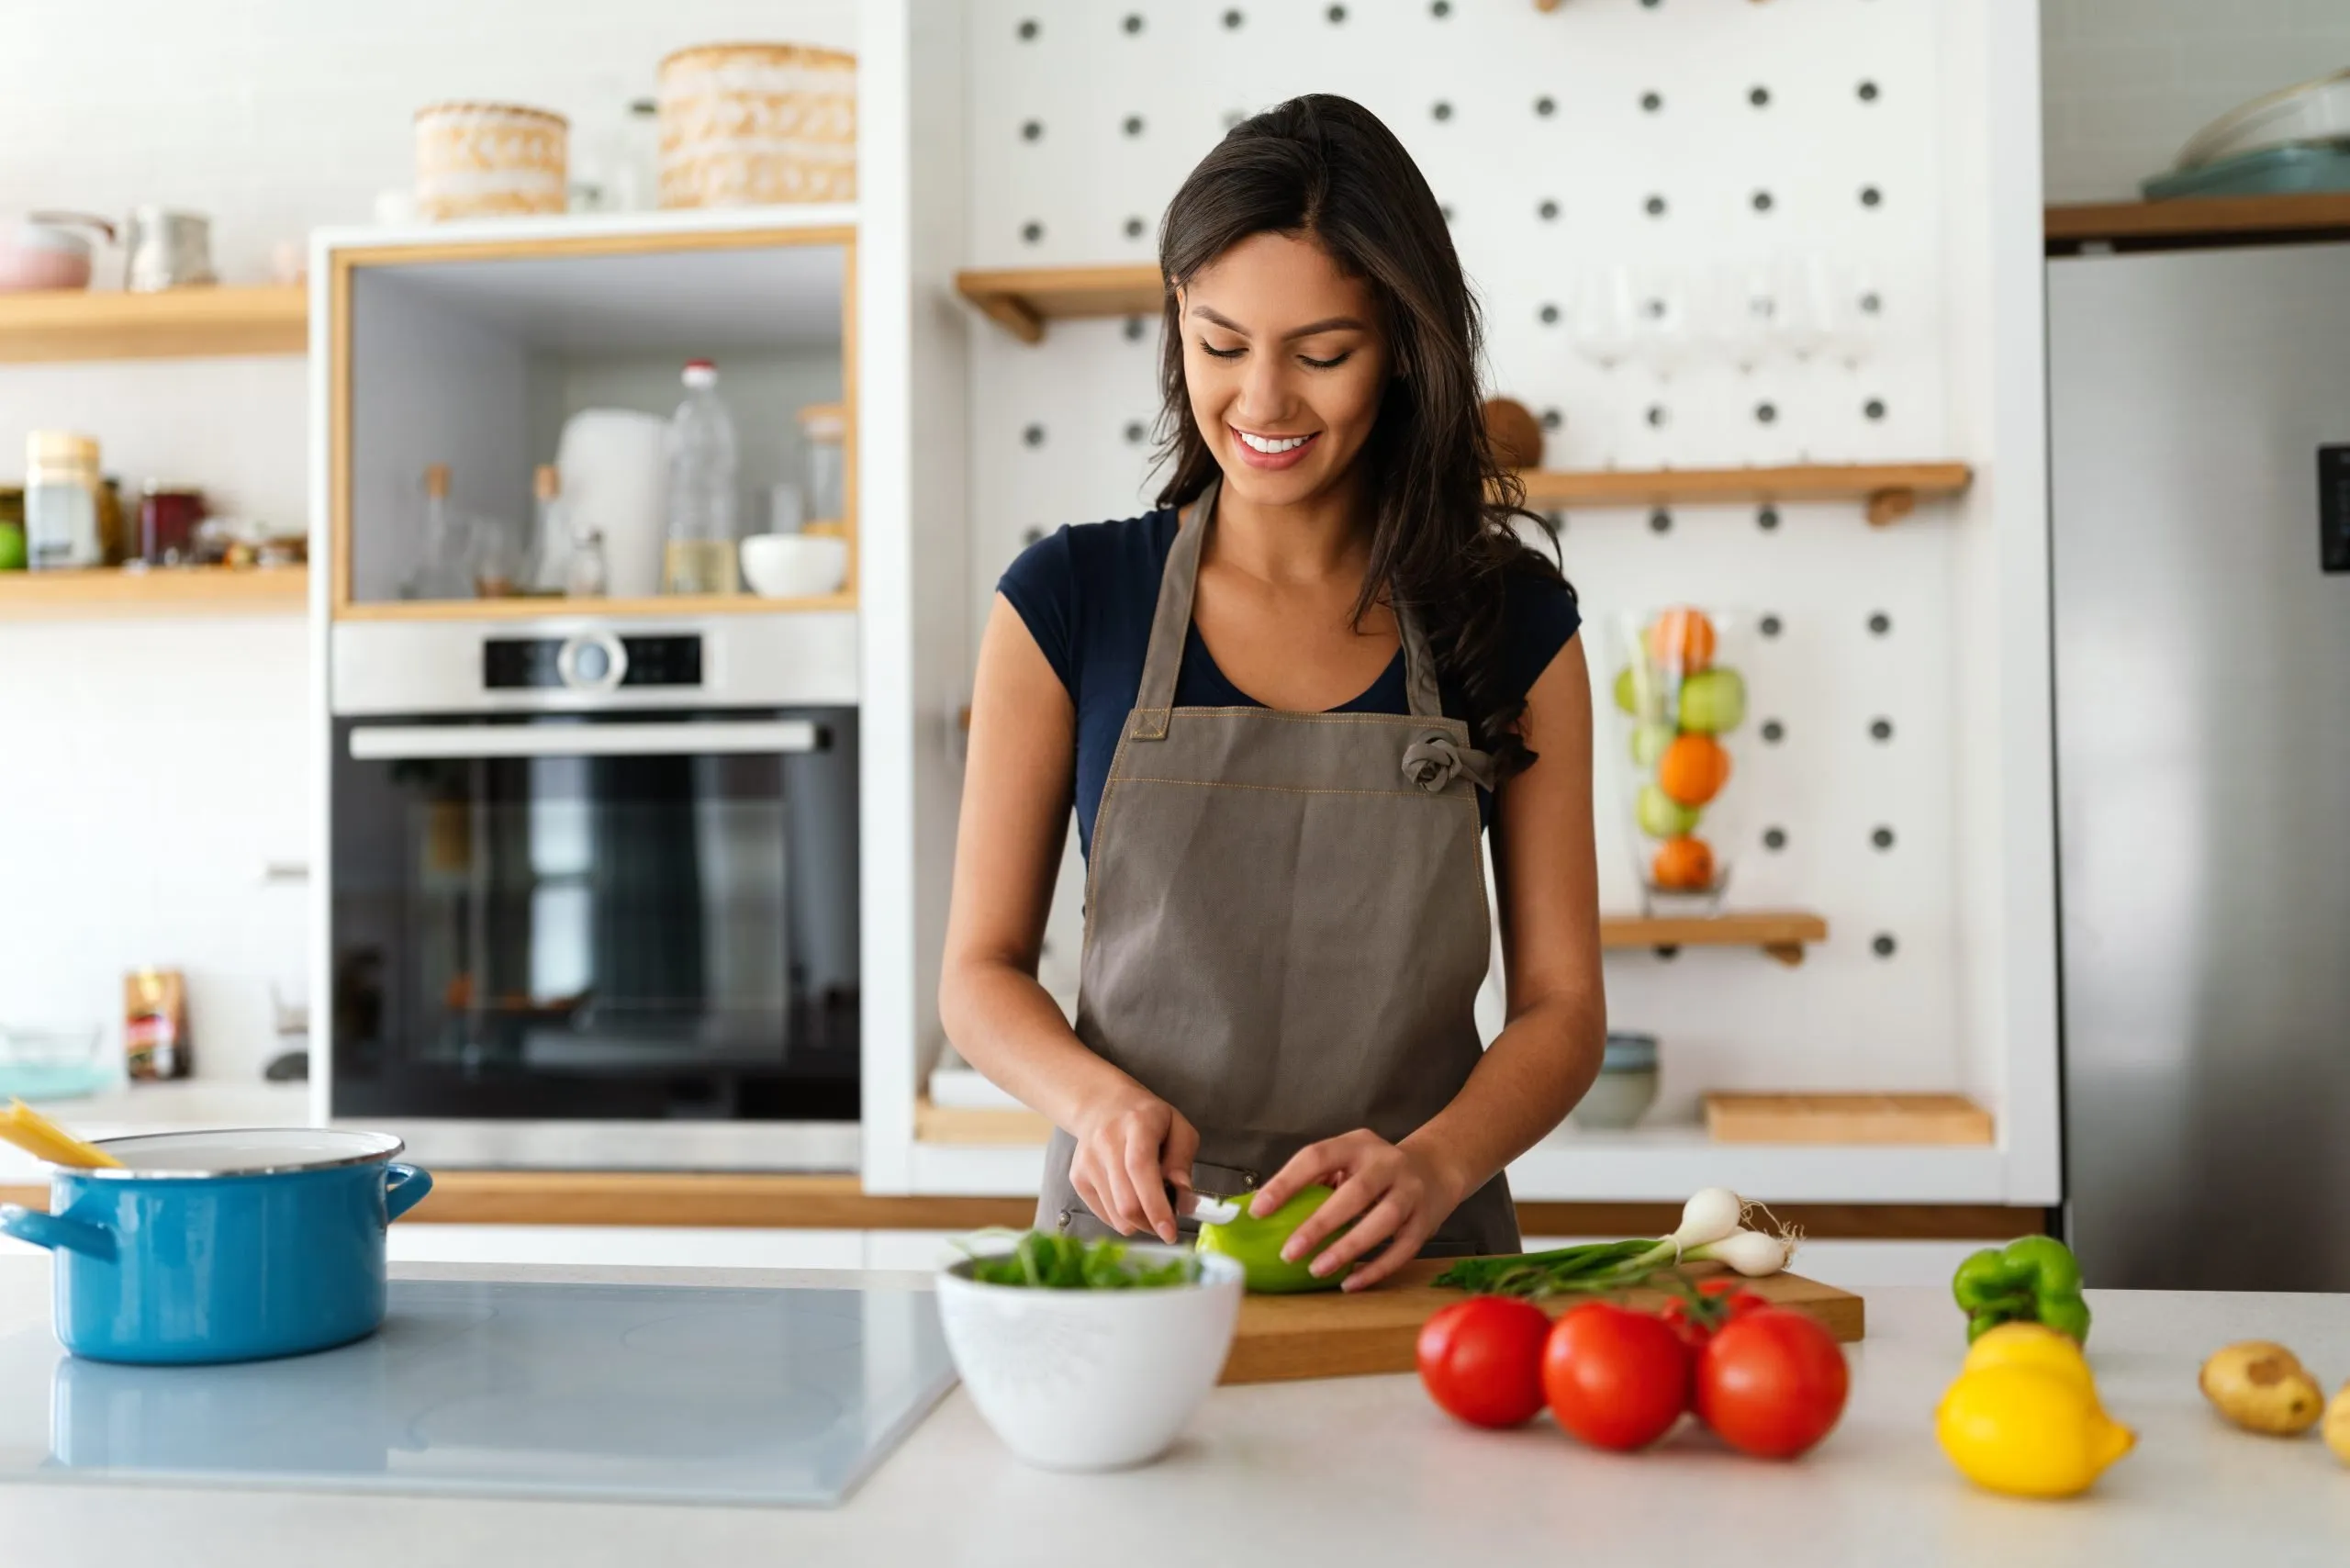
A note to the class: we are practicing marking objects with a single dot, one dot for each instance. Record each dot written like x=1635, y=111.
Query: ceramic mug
x=229, y=1246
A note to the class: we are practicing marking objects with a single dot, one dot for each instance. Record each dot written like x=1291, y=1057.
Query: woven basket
x=746, y=124
x=490, y=159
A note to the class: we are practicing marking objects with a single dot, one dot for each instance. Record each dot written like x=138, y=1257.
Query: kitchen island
x=1363, y=1471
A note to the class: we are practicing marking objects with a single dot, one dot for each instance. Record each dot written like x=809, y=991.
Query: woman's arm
x=1545, y=1057
x=1016, y=789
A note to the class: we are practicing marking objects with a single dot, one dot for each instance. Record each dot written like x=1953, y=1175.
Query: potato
x=2263, y=1387
x=2337, y=1424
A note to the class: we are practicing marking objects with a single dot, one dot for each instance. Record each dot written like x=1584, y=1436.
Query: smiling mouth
x=1271, y=446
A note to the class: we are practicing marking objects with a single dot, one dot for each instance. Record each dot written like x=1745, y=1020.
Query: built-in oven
x=593, y=892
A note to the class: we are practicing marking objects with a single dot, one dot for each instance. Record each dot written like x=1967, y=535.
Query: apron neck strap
x=1170, y=623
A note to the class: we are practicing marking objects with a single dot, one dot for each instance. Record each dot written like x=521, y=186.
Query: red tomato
x=1772, y=1383
x=1482, y=1360
x=1694, y=1334
x=1615, y=1378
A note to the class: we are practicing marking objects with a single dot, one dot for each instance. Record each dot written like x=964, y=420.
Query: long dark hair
x=1443, y=535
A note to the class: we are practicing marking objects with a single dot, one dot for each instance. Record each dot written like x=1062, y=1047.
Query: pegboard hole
x=1233, y=18
x=1132, y=126
x=1233, y=117
x=1028, y=30
x=1549, y=315
x=1773, y=732
x=1872, y=303
x=1136, y=228
x=1759, y=97
x=1657, y=416
x=1871, y=196
x=1337, y=14
x=1767, y=520
x=1034, y=435
x=1650, y=4
x=1880, y=730
x=1546, y=105
x=1133, y=328
x=1874, y=407
x=1439, y=9
x=1133, y=21
x=1766, y=413
x=1771, y=625
x=1552, y=419
x=1882, y=838
x=1440, y=109
x=1883, y=945
x=1032, y=131
x=1135, y=431
x=1031, y=232
x=1654, y=207
x=1549, y=211
x=1445, y=212
x=1880, y=624
x=1761, y=200
x=1868, y=92
x=1775, y=838
x=1652, y=102
x=1660, y=521
x=1032, y=536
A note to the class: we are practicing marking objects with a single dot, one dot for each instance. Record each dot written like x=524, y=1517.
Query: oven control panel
x=590, y=661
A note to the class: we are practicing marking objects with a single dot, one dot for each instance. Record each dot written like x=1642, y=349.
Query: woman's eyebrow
x=1330, y=324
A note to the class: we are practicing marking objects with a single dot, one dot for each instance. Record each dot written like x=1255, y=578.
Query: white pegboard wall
x=1678, y=148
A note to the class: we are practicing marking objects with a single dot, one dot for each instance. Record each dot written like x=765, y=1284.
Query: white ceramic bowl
x=1091, y=1380
x=794, y=566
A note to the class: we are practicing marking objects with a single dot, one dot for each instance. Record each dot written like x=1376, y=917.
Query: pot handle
x=56, y=1232
x=404, y=1188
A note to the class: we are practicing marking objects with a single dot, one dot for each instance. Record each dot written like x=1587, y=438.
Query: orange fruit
x=1683, y=865
x=1681, y=639
x=1692, y=769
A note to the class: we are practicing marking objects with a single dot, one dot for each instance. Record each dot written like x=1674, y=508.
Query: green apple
x=1255, y=1243
x=1644, y=694
x=1661, y=816
x=1627, y=695
x=1648, y=742
x=1713, y=701
x=12, y=550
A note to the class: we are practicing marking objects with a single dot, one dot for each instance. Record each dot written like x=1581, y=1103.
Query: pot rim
x=389, y=1147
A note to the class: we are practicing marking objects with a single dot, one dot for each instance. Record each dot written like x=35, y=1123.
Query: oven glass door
x=591, y=916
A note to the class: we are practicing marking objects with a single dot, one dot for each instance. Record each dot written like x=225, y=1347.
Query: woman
x=1284, y=705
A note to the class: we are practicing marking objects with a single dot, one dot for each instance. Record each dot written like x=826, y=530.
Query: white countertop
x=1363, y=1471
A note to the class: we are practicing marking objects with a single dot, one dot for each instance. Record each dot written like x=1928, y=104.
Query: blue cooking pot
x=222, y=1246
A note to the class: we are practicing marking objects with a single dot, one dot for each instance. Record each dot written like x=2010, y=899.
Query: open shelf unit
x=1887, y=491
x=2198, y=221
x=200, y=590
x=57, y=325
x=1782, y=934
x=1021, y=299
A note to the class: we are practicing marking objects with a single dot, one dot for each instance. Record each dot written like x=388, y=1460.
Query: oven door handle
x=722, y=737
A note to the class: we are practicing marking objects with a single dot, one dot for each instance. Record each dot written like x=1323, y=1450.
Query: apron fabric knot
x=1433, y=762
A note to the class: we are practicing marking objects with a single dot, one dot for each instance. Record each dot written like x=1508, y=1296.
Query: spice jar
x=168, y=516
x=61, y=501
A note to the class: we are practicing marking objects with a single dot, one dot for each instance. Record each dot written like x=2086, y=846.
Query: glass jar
x=168, y=516
x=61, y=498
x=825, y=428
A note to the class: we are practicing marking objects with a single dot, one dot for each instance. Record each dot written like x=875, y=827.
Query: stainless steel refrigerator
x=2203, y=654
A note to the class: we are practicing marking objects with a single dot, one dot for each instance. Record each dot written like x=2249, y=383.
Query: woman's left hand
x=1393, y=1194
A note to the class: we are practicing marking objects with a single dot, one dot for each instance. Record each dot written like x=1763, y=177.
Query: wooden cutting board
x=1331, y=1334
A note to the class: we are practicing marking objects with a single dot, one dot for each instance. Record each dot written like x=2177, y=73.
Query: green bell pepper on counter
x=2034, y=1280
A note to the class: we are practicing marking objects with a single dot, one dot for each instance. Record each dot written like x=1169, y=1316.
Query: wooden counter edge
x=725, y=1201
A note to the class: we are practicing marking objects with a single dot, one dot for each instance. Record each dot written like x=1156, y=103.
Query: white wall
x=148, y=771
x=2129, y=81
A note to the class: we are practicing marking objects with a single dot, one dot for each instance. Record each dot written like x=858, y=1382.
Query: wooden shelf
x=1021, y=299
x=1847, y=1119
x=2193, y=222
x=994, y=1125
x=110, y=592
x=1782, y=933
x=659, y=608
x=1888, y=491
x=72, y=324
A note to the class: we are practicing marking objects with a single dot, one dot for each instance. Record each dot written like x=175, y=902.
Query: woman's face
x=1286, y=362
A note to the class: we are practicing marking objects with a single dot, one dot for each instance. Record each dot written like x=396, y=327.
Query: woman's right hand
x=1131, y=1146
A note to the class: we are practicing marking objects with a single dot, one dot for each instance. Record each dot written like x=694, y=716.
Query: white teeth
x=1269, y=445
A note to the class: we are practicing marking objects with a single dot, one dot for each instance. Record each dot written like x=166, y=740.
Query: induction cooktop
x=639, y=1393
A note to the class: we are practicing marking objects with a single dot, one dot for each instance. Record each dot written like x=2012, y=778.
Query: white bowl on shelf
x=1091, y=1380
x=794, y=566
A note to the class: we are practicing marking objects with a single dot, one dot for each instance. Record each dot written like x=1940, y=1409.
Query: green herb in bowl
x=1042, y=1260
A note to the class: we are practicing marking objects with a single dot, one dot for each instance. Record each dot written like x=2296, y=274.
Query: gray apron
x=1285, y=922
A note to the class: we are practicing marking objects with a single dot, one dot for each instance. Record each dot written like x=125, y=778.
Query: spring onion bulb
x=1710, y=1215
x=1751, y=1252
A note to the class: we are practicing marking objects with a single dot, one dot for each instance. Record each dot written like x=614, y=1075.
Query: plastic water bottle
x=699, y=553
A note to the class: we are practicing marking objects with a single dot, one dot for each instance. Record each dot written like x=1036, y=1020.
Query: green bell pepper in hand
x=2034, y=1280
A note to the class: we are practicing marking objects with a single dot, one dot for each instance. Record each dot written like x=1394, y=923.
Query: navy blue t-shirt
x=1087, y=592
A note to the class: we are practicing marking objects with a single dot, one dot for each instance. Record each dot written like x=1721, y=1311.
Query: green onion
x=1711, y=1227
